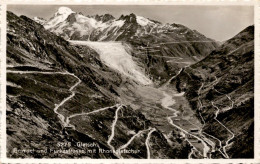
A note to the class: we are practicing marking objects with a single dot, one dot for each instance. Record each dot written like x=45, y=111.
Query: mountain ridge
x=220, y=88
x=145, y=25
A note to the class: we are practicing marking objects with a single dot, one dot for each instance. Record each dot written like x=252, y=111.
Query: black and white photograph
x=130, y=81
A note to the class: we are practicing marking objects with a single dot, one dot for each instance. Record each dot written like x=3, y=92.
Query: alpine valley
x=127, y=87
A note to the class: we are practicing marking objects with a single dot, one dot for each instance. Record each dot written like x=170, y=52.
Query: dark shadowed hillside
x=220, y=88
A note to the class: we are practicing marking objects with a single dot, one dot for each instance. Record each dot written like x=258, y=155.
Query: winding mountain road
x=131, y=139
x=232, y=134
x=147, y=143
x=88, y=113
x=190, y=154
x=185, y=42
x=167, y=102
x=203, y=120
x=111, y=55
x=57, y=106
x=229, y=98
x=168, y=82
x=216, y=115
x=111, y=137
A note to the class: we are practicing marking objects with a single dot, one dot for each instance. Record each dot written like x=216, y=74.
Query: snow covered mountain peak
x=76, y=26
x=60, y=16
x=143, y=21
x=64, y=11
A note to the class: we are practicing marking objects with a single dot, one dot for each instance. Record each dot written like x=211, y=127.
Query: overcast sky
x=217, y=22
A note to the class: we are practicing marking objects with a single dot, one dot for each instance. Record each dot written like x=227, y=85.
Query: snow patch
x=118, y=23
x=109, y=25
x=143, y=21
x=39, y=20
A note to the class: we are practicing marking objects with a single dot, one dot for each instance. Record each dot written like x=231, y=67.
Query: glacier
x=115, y=56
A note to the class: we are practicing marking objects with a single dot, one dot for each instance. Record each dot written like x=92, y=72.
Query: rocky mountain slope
x=59, y=95
x=220, y=88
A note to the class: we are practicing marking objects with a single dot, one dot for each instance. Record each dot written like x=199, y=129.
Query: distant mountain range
x=76, y=26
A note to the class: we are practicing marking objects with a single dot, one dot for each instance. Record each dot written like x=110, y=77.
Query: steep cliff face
x=60, y=93
x=220, y=88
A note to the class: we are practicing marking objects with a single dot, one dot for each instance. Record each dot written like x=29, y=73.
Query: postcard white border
x=255, y=3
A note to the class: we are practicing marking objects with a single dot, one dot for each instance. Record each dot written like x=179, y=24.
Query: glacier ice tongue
x=114, y=55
